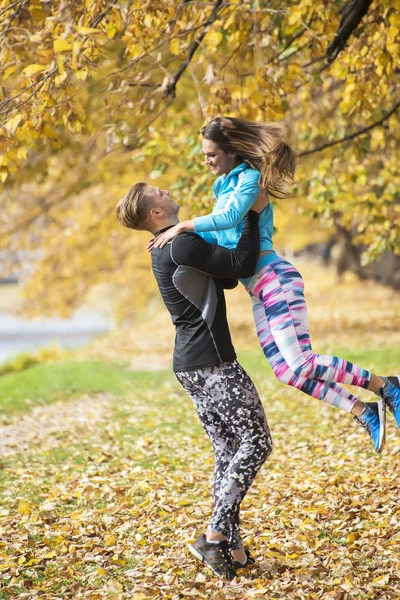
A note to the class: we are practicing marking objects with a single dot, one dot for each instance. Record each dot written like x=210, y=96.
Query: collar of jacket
x=236, y=170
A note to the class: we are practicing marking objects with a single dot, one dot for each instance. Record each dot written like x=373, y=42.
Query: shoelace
x=389, y=399
x=224, y=550
x=363, y=424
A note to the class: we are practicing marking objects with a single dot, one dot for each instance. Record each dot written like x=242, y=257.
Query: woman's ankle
x=357, y=409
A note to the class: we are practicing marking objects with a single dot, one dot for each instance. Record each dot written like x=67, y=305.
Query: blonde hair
x=133, y=209
x=262, y=145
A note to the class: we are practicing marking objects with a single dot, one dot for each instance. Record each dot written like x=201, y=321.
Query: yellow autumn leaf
x=394, y=19
x=24, y=508
x=214, y=38
x=257, y=97
x=9, y=71
x=88, y=30
x=381, y=580
x=22, y=153
x=49, y=132
x=175, y=46
x=110, y=541
x=62, y=45
x=111, y=30
x=33, y=69
x=81, y=74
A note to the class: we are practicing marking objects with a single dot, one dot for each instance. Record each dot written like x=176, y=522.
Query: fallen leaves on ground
x=106, y=509
x=108, y=514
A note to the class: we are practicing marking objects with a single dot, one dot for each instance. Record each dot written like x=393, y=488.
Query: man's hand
x=163, y=238
x=261, y=202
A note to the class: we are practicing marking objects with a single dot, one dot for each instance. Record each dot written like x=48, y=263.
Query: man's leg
x=234, y=397
x=222, y=438
x=216, y=554
x=228, y=395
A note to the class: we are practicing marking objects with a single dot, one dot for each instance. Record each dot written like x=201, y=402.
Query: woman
x=247, y=157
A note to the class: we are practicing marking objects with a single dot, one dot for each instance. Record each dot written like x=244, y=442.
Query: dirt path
x=47, y=426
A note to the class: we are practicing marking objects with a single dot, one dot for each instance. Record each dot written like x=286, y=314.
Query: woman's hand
x=164, y=238
x=261, y=202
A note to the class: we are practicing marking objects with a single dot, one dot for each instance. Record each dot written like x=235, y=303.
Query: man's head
x=146, y=207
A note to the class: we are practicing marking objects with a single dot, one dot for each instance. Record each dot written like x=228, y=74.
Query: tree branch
x=353, y=135
x=42, y=80
x=22, y=3
x=353, y=13
x=171, y=88
x=9, y=8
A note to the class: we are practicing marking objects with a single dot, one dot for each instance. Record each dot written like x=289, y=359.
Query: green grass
x=383, y=361
x=49, y=382
x=152, y=437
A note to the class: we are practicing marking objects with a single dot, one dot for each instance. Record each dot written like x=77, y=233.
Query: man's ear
x=156, y=213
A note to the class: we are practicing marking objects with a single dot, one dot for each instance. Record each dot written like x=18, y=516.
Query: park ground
x=106, y=472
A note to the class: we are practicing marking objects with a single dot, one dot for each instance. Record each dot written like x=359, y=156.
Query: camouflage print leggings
x=233, y=417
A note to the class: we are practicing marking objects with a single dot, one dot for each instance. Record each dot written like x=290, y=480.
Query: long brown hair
x=262, y=145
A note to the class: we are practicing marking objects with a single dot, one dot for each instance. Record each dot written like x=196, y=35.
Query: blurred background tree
x=98, y=95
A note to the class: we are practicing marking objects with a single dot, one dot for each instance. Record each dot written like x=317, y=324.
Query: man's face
x=219, y=161
x=162, y=200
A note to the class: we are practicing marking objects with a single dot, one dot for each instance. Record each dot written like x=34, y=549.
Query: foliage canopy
x=96, y=95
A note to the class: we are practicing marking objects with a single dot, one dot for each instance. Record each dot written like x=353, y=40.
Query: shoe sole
x=384, y=401
x=382, y=420
x=193, y=550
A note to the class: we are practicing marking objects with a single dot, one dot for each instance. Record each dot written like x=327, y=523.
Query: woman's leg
x=331, y=393
x=280, y=289
x=282, y=325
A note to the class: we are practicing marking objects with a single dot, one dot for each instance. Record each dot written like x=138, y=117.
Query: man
x=191, y=275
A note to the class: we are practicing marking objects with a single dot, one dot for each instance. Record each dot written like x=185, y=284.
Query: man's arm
x=191, y=250
x=229, y=284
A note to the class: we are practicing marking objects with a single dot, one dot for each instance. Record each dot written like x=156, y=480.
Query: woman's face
x=219, y=161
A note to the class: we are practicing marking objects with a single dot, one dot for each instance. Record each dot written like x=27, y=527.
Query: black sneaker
x=215, y=556
x=249, y=561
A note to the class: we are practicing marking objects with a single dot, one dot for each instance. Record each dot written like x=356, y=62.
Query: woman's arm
x=240, y=202
x=237, y=206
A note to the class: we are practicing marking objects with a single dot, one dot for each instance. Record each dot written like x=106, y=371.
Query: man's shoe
x=249, y=561
x=216, y=556
x=373, y=419
x=391, y=397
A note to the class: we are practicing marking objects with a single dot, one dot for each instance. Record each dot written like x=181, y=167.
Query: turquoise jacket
x=235, y=194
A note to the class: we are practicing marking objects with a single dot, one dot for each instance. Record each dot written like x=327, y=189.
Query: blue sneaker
x=391, y=397
x=373, y=419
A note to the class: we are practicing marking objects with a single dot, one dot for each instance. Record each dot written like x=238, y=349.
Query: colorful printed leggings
x=280, y=314
x=233, y=417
